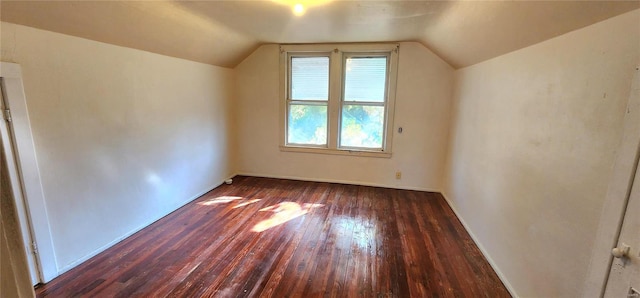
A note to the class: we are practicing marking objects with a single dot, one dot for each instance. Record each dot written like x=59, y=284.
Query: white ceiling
x=225, y=32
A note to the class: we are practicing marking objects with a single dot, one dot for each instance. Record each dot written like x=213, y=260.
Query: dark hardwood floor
x=283, y=238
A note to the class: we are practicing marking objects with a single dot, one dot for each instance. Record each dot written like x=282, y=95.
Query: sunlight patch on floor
x=283, y=212
x=219, y=200
x=245, y=203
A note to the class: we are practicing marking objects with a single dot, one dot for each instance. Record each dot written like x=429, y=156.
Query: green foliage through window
x=307, y=124
x=362, y=126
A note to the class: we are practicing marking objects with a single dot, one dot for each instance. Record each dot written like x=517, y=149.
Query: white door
x=624, y=277
x=6, y=135
x=32, y=206
x=624, y=273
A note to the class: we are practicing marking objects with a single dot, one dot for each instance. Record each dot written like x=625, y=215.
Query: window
x=338, y=99
x=308, y=100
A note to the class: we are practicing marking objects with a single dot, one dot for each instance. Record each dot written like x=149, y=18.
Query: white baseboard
x=338, y=181
x=126, y=235
x=484, y=252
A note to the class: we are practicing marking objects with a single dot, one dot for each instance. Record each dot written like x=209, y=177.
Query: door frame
x=32, y=212
x=16, y=192
x=615, y=203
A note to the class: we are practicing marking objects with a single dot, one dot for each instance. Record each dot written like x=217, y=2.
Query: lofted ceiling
x=223, y=33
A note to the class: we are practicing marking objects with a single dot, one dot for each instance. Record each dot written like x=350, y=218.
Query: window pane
x=365, y=79
x=362, y=126
x=307, y=125
x=310, y=78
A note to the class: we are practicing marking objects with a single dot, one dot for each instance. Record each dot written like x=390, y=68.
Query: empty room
x=320, y=148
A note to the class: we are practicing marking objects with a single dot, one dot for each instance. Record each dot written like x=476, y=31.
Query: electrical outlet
x=398, y=175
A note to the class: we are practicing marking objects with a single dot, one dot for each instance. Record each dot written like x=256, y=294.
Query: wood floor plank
x=324, y=256
x=303, y=265
x=262, y=237
x=338, y=279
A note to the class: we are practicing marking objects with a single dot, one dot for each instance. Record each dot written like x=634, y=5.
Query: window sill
x=361, y=153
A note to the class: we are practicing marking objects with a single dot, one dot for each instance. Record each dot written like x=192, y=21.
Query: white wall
x=532, y=146
x=123, y=137
x=422, y=109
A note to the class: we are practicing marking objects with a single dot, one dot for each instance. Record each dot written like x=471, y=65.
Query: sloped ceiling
x=223, y=33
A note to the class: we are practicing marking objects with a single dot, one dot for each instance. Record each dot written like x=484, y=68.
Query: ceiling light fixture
x=298, y=9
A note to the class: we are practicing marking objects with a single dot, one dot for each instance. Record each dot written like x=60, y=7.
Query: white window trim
x=287, y=96
x=336, y=52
